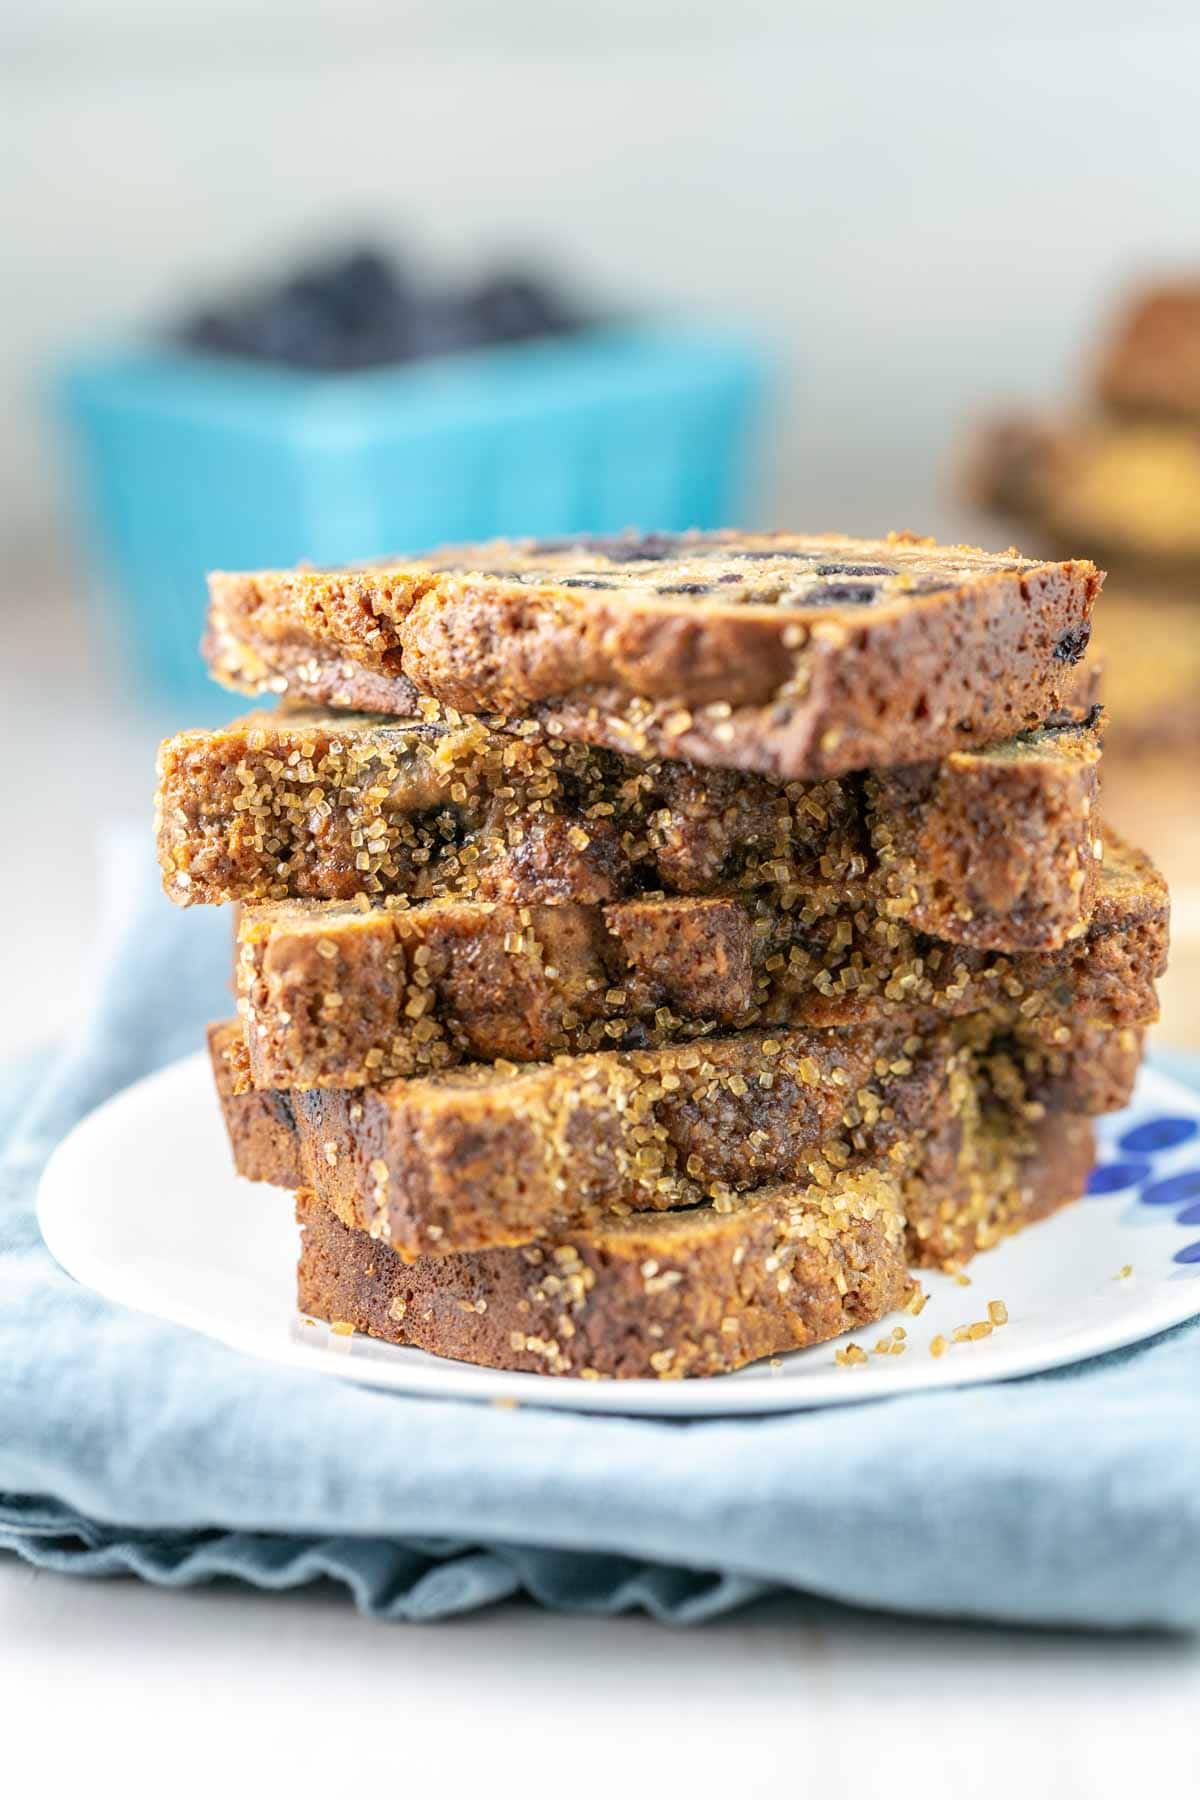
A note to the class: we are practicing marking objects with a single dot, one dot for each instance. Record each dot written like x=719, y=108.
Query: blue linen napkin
x=127, y=1444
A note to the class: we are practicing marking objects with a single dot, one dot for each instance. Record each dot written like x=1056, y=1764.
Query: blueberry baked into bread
x=649, y=948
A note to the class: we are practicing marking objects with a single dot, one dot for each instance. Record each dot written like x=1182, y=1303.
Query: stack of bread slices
x=651, y=949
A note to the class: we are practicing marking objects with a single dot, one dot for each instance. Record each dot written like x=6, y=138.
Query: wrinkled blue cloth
x=131, y=1445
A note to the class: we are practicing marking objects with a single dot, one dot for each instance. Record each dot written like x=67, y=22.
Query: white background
x=923, y=206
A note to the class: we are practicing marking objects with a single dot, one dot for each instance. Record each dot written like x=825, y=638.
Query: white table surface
x=182, y=1691
x=296, y=1694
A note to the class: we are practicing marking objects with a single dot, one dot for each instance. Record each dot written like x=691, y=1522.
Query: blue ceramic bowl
x=188, y=463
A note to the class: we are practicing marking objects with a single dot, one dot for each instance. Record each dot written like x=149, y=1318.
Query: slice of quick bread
x=795, y=656
x=492, y=1154
x=338, y=995
x=661, y=1294
x=994, y=848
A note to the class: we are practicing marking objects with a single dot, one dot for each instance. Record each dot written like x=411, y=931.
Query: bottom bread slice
x=696, y=1292
x=699, y=1292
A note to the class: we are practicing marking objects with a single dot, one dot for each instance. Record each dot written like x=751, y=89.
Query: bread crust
x=908, y=651
x=996, y=849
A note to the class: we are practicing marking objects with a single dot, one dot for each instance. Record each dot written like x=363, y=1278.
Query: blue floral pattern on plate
x=1154, y=1161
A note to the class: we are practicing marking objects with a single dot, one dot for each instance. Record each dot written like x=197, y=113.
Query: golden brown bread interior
x=339, y=995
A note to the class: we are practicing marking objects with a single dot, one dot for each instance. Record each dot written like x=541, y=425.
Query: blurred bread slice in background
x=1116, y=473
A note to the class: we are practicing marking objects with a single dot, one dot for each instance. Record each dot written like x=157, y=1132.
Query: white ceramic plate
x=140, y=1202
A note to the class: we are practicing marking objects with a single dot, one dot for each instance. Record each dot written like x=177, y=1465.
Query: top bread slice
x=798, y=657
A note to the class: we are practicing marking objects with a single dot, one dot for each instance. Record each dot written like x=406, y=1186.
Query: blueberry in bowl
x=367, y=310
x=356, y=408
